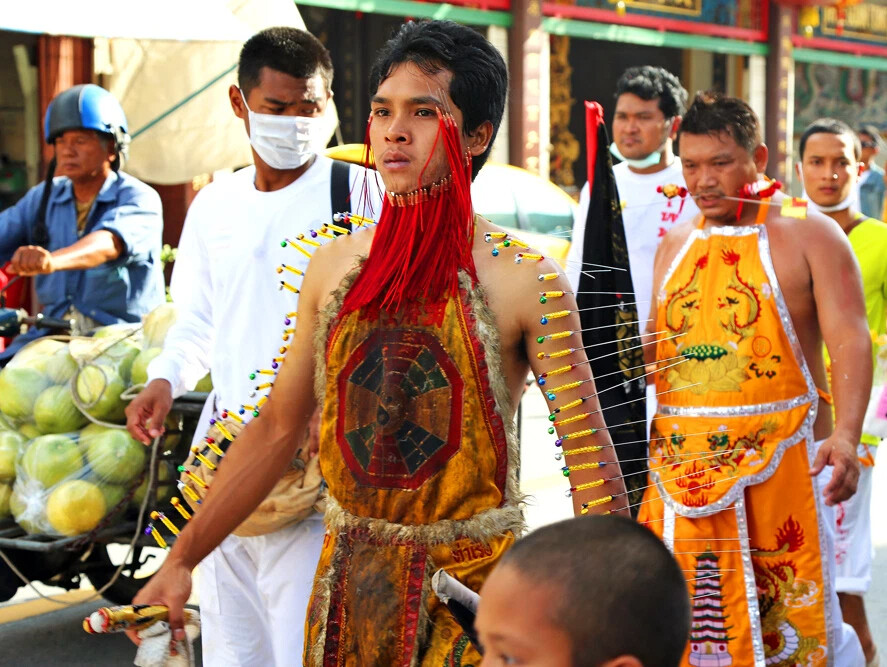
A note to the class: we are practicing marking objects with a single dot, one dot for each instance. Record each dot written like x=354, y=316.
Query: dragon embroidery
x=681, y=322
x=778, y=592
x=740, y=303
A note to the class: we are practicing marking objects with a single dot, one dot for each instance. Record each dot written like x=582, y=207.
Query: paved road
x=53, y=637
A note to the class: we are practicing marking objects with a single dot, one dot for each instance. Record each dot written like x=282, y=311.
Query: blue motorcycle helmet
x=83, y=107
x=88, y=107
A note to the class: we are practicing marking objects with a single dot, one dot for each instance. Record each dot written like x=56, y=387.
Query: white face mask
x=851, y=199
x=652, y=159
x=286, y=142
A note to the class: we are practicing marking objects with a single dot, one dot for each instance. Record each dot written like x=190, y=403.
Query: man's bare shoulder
x=332, y=261
x=515, y=275
x=814, y=228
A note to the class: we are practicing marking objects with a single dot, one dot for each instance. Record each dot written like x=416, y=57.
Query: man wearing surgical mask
x=829, y=169
x=649, y=104
x=255, y=586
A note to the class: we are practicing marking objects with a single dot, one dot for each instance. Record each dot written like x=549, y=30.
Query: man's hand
x=31, y=260
x=146, y=412
x=840, y=452
x=171, y=587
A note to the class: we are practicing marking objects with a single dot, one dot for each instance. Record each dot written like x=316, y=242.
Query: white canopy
x=207, y=20
x=170, y=64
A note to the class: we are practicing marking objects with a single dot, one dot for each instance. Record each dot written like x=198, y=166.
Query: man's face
x=280, y=94
x=716, y=166
x=404, y=128
x=869, y=147
x=516, y=624
x=83, y=155
x=639, y=126
x=829, y=168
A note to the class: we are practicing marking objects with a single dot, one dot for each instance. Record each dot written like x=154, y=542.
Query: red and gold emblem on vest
x=400, y=409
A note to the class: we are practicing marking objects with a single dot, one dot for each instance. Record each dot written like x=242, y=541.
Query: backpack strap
x=340, y=189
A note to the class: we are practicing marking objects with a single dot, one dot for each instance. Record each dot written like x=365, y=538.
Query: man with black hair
x=91, y=234
x=829, y=168
x=231, y=314
x=597, y=591
x=744, y=297
x=649, y=104
x=420, y=340
x=871, y=186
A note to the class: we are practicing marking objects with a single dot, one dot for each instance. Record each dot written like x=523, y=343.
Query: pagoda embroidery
x=708, y=634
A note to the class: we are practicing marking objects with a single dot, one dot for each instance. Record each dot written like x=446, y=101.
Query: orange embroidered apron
x=730, y=450
x=418, y=450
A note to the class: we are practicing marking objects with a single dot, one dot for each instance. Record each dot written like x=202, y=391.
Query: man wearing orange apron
x=734, y=441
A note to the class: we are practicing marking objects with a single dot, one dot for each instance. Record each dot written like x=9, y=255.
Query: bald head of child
x=587, y=592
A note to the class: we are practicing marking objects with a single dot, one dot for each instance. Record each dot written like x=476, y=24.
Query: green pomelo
x=140, y=364
x=40, y=349
x=75, y=507
x=113, y=494
x=30, y=431
x=50, y=459
x=5, y=494
x=60, y=367
x=19, y=388
x=99, y=388
x=120, y=357
x=166, y=472
x=55, y=412
x=205, y=384
x=87, y=435
x=115, y=457
x=11, y=444
x=114, y=330
x=156, y=324
x=5, y=424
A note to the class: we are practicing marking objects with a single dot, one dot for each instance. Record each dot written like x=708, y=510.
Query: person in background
x=649, y=104
x=871, y=184
x=830, y=166
x=745, y=297
x=254, y=586
x=91, y=234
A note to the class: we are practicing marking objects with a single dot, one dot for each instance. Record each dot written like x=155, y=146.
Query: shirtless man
x=464, y=513
x=747, y=296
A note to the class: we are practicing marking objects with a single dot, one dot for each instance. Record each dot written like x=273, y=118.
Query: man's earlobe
x=479, y=140
x=760, y=156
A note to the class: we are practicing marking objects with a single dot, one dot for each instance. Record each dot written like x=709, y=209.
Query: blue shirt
x=871, y=192
x=122, y=290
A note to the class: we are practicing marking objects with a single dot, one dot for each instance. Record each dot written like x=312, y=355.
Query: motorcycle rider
x=90, y=233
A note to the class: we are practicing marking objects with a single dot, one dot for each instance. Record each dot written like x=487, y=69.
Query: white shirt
x=646, y=215
x=225, y=284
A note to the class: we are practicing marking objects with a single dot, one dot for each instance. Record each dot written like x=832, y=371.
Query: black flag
x=611, y=296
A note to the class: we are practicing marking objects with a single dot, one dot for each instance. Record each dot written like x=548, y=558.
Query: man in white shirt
x=253, y=590
x=649, y=104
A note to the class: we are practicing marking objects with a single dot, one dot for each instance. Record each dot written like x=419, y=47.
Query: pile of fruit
x=59, y=472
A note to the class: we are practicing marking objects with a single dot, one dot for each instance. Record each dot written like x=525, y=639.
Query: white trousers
x=254, y=593
x=853, y=532
x=848, y=650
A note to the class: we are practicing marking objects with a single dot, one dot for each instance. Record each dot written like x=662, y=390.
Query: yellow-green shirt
x=869, y=242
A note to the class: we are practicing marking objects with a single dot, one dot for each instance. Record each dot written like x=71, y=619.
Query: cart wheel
x=104, y=560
